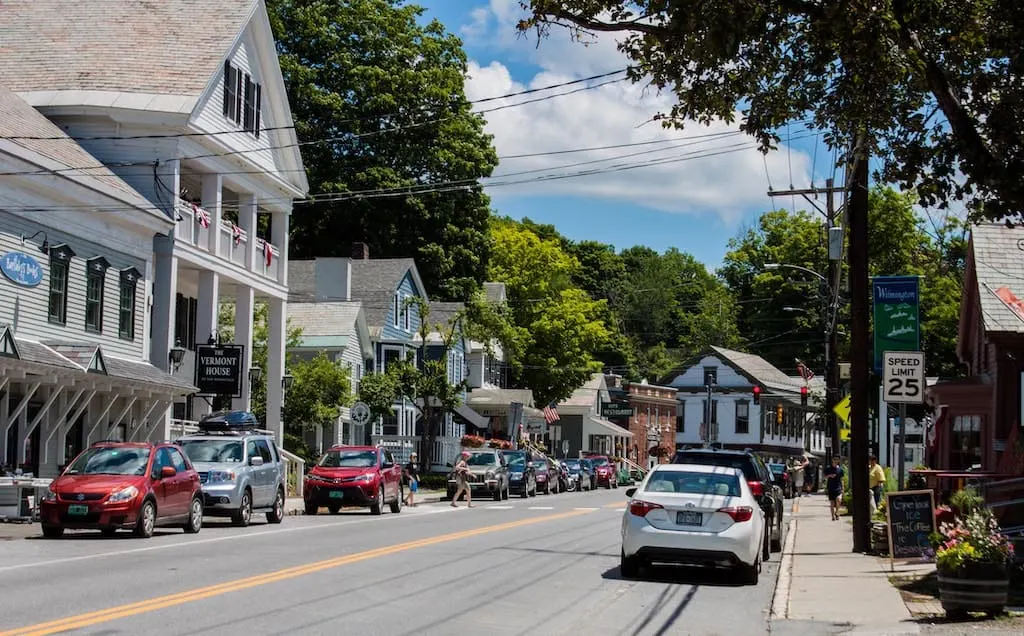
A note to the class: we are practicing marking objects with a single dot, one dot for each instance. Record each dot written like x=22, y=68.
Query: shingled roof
x=166, y=48
x=998, y=255
x=374, y=282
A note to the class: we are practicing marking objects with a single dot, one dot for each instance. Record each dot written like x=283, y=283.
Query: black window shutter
x=227, y=87
x=247, y=121
x=238, y=96
x=256, y=113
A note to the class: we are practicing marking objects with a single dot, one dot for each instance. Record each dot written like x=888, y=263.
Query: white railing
x=446, y=449
x=294, y=470
x=183, y=427
x=233, y=241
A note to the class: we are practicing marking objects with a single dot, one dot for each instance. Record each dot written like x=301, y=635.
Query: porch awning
x=472, y=416
x=601, y=426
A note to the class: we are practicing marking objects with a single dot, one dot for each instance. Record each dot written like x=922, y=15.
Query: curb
x=780, y=601
x=294, y=512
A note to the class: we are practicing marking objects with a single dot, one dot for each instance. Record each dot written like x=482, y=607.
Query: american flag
x=805, y=371
x=550, y=413
x=201, y=215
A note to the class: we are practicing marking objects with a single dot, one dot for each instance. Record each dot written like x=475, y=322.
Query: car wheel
x=777, y=536
x=629, y=567
x=497, y=494
x=195, y=516
x=243, y=515
x=526, y=491
x=377, y=507
x=766, y=552
x=749, y=574
x=615, y=484
x=508, y=492
x=147, y=520
x=533, y=493
x=334, y=508
x=311, y=509
x=396, y=505
x=276, y=514
x=53, y=532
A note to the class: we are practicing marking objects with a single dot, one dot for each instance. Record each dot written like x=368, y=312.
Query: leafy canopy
x=937, y=85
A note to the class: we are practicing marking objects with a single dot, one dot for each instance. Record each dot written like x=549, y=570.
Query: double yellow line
x=141, y=607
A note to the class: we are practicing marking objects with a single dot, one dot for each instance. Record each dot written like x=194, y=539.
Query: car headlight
x=517, y=475
x=125, y=494
x=221, y=476
x=489, y=474
x=50, y=495
x=364, y=479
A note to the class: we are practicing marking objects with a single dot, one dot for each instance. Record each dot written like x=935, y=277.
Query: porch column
x=276, y=334
x=54, y=393
x=98, y=413
x=244, y=306
x=207, y=310
x=247, y=206
x=5, y=408
x=165, y=289
x=279, y=238
x=213, y=196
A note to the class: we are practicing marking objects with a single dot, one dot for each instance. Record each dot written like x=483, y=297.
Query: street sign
x=219, y=370
x=615, y=409
x=360, y=413
x=897, y=315
x=903, y=377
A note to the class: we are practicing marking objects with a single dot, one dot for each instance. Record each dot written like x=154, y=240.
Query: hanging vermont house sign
x=21, y=269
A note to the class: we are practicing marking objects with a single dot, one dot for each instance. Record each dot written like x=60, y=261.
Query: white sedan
x=694, y=514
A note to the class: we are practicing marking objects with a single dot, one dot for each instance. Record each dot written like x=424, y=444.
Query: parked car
x=604, y=470
x=580, y=477
x=782, y=476
x=547, y=476
x=130, y=485
x=239, y=467
x=766, y=490
x=522, y=476
x=696, y=515
x=354, y=476
x=488, y=472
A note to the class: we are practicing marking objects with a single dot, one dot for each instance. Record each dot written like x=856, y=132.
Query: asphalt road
x=547, y=565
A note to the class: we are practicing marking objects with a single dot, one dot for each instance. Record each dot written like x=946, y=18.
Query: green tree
x=378, y=102
x=560, y=324
x=937, y=84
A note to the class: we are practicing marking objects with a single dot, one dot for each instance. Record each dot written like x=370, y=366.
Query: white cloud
x=729, y=184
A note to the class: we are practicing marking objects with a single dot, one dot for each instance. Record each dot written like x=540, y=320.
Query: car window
x=163, y=458
x=213, y=450
x=749, y=468
x=264, y=450
x=251, y=450
x=694, y=483
x=349, y=459
x=177, y=460
x=388, y=458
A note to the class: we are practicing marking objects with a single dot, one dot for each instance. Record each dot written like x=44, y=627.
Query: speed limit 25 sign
x=903, y=377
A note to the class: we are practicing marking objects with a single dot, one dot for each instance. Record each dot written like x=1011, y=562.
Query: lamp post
x=176, y=355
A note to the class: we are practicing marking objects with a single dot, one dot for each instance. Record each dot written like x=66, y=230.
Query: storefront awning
x=472, y=416
x=601, y=426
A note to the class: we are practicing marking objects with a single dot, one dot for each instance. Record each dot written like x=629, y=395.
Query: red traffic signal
x=803, y=396
x=757, y=394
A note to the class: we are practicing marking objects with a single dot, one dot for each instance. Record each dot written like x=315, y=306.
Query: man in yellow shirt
x=876, y=479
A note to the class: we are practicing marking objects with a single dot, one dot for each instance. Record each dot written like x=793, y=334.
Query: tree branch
x=609, y=27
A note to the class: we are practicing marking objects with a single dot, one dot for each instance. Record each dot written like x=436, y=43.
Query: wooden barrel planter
x=974, y=588
x=879, y=537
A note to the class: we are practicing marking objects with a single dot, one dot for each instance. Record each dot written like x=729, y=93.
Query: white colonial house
x=185, y=102
x=194, y=117
x=76, y=265
x=736, y=421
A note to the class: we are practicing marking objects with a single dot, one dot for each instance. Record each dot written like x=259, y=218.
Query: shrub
x=973, y=539
x=434, y=482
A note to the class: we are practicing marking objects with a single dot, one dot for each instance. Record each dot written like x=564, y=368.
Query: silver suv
x=239, y=467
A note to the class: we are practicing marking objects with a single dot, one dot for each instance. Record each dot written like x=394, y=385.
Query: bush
x=434, y=482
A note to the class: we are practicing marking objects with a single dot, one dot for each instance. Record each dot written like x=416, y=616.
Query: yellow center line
x=621, y=504
x=133, y=609
x=796, y=505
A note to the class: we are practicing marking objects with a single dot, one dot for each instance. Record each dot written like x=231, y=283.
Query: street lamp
x=255, y=374
x=773, y=266
x=287, y=380
x=176, y=355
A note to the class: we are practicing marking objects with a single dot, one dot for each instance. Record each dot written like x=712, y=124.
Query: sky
x=711, y=186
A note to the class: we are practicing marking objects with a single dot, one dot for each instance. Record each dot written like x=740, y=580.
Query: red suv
x=362, y=476
x=114, y=485
x=604, y=470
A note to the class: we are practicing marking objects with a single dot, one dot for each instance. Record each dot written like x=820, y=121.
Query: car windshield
x=516, y=460
x=694, y=483
x=778, y=469
x=599, y=461
x=574, y=466
x=111, y=460
x=349, y=459
x=729, y=461
x=213, y=450
x=481, y=459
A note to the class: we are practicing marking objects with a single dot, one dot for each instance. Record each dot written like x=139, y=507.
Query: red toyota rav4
x=113, y=485
x=362, y=476
x=605, y=471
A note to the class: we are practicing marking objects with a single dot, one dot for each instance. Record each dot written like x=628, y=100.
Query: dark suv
x=761, y=481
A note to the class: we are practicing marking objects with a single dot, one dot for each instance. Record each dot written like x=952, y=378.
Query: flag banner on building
x=550, y=414
x=201, y=215
x=805, y=371
x=237, y=233
x=268, y=253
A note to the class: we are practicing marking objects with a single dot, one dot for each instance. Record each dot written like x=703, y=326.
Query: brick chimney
x=360, y=252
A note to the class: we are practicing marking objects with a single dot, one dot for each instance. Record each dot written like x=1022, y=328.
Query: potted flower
x=472, y=441
x=973, y=557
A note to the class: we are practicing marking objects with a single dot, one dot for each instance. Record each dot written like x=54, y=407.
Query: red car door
x=183, y=482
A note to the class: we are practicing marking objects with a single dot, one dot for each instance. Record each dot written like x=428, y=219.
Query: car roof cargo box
x=233, y=421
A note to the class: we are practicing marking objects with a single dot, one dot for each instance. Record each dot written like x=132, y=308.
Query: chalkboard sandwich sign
x=911, y=522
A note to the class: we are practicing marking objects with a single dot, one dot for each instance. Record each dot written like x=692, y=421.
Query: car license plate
x=687, y=518
x=337, y=494
x=78, y=510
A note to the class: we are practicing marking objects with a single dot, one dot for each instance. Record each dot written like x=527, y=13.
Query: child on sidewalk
x=834, y=485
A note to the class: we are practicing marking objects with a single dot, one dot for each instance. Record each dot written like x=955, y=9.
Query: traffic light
x=803, y=396
x=757, y=394
x=778, y=414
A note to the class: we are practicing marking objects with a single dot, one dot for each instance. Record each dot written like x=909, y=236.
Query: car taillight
x=756, y=488
x=641, y=508
x=738, y=513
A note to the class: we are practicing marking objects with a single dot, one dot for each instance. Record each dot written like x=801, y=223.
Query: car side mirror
x=167, y=471
x=256, y=461
x=630, y=492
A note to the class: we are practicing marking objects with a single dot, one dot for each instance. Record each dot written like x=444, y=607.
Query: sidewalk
x=821, y=580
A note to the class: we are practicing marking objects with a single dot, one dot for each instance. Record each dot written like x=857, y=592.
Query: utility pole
x=830, y=302
x=860, y=346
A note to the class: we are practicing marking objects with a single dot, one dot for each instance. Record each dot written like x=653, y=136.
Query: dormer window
x=242, y=99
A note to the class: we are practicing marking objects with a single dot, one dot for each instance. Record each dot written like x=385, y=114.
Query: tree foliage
x=936, y=84
x=378, y=102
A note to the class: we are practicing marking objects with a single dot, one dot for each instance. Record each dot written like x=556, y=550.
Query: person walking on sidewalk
x=876, y=479
x=834, y=485
x=462, y=481
x=411, y=473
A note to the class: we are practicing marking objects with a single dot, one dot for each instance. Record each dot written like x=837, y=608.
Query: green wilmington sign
x=897, y=312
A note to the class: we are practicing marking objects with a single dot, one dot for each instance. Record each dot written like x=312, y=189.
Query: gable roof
x=757, y=368
x=333, y=318
x=52, y=149
x=998, y=260
x=170, y=48
x=374, y=281
x=587, y=395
